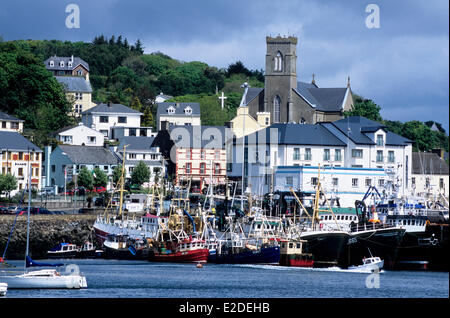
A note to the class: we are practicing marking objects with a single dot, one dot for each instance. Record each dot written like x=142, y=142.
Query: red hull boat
x=186, y=251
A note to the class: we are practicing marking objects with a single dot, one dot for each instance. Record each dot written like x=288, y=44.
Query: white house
x=104, y=117
x=161, y=98
x=140, y=149
x=177, y=114
x=353, y=144
x=120, y=132
x=80, y=135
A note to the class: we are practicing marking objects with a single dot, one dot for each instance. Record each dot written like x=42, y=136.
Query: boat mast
x=28, y=213
x=122, y=180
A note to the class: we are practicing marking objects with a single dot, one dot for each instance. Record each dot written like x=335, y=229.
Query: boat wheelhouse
x=295, y=253
x=63, y=250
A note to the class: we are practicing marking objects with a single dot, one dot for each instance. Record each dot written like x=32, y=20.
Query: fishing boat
x=369, y=264
x=43, y=278
x=3, y=289
x=294, y=253
x=88, y=250
x=188, y=250
x=123, y=247
x=63, y=250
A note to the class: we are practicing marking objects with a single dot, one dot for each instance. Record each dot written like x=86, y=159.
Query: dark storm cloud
x=402, y=65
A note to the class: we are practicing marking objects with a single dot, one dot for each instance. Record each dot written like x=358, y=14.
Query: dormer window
x=69, y=63
x=188, y=110
x=61, y=63
x=171, y=110
x=52, y=63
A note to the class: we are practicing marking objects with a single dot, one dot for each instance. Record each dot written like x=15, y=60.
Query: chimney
x=439, y=152
x=177, y=104
x=72, y=58
x=109, y=104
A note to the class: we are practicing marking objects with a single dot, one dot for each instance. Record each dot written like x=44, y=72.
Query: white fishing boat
x=370, y=264
x=43, y=278
x=3, y=289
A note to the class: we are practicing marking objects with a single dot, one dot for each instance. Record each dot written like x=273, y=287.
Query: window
x=217, y=154
x=131, y=156
x=202, y=154
x=380, y=141
x=278, y=62
x=130, y=169
x=357, y=153
x=61, y=63
x=202, y=168
x=413, y=182
x=188, y=110
x=326, y=154
x=308, y=154
x=188, y=154
x=355, y=182
x=104, y=119
x=289, y=181
x=337, y=155
x=391, y=156
x=91, y=139
x=441, y=183
x=314, y=181
x=20, y=155
x=104, y=132
x=188, y=168
x=132, y=132
x=171, y=110
x=267, y=121
x=368, y=182
x=122, y=119
x=276, y=109
x=3, y=124
x=217, y=168
x=379, y=155
x=20, y=171
x=381, y=183
x=80, y=72
x=296, y=154
x=52, y=63
x=143, y=132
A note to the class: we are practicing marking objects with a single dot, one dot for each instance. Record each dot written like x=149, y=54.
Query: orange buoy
x=199, y=265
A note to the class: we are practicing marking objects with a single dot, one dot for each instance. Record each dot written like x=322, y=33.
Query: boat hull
x=125, y=253
x=328, y=247
x=56, y=282
x=61, y=255
x=381, y=242
x=264, y=255
x=193, y=256
x=296, y=260
x=425, y=250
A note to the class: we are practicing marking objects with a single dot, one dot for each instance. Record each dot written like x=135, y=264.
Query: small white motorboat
x=3, y=289
x=370, y=264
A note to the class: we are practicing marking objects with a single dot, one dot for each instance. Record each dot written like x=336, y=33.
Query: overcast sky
x=403, y=65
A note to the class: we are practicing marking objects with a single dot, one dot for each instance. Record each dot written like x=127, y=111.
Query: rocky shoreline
x=45, y=232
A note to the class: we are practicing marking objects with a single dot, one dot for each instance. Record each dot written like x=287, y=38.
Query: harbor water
x=142, y=279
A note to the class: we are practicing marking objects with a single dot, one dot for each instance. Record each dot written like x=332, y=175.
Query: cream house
x=10, y=123
x=244, y=124
x=79, y=91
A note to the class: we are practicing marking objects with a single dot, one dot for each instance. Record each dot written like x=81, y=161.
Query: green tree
x=100, y=178
x=117, y=173
x=8, y=183
x=85, y=178
x=365, y=108
x=140, y=174
x=147, y=118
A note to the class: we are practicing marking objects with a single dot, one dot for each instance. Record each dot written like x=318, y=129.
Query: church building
x=288, y=100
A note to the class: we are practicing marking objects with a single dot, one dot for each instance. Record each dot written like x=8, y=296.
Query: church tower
x=280, y=78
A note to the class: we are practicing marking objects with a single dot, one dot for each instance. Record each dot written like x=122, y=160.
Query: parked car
x=99, y=189
x=47, y=191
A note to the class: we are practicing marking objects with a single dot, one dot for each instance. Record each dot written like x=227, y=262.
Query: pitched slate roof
x=428, y=163
x=357, y=126
x=295, y=134
x=111, y=108
x=252, y=93
x=12, y=140
x=323, y=99
x=136, y=143
x=89, y=155
x=56, y=59
x=5, y=116
x=179, y=110
x=213, y=137
x=74, y=84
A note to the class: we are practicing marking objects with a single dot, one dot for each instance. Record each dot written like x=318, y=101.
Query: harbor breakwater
x=45, y=232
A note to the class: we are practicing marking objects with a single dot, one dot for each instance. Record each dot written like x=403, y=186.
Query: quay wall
x=45, y=232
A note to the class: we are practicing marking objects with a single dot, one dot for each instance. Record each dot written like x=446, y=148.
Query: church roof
x=252, y=93
x=323, y=99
